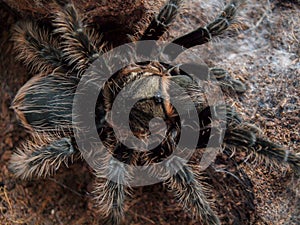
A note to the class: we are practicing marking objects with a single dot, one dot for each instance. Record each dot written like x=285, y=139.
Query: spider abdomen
x=45, y=102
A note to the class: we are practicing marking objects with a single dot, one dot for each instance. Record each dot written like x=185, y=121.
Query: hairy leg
x=80, y=46
x=160, y=23
x=242, y=136
x=189, y=191
x=245, y=137
x=110, y=190
x=204, y=34
x=158, y=26
x=201, y=72
x=227, y=82
x=42, y=156
x=37, y=48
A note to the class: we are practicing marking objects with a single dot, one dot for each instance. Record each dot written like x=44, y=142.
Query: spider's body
x=45, y=106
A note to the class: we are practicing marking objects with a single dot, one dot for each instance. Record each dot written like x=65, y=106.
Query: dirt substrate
x=264, y=54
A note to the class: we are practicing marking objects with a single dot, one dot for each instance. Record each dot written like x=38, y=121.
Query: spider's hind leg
x=227, y=82
x=189, y=191
x=42, y=156
x=36, y=47
x=80, y=46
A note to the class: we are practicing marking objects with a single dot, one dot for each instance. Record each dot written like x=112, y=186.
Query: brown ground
x=265, y=55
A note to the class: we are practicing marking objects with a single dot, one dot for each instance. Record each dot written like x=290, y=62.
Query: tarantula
x=61, y=55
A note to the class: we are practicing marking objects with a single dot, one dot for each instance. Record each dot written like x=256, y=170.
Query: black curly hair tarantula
x=60, y=56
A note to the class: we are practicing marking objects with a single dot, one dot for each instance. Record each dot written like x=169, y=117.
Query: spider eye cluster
x=158, y=98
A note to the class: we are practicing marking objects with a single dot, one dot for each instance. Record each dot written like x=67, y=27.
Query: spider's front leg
x=203, y=35
x=227, y=82
x=160, y=23
x=182, y=181
x=245, y=137
x=158, y=26
x=242, y=136
x=111, y=189
x=42, y=156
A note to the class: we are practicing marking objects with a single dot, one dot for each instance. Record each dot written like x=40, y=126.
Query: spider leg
x=111, y=188
x=158, y=26
x=204, y=34
x=242, y=136
x=37, y=48
x=42, y=156
x=80, y=46
x=247, y=138
x=189, y=191
x=160, y=23
x=213, y=134
x=227, y=83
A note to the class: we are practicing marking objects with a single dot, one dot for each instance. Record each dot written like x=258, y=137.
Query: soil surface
x=264, y=53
